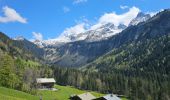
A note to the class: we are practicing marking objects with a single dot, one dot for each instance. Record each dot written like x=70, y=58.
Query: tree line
x=134, y=87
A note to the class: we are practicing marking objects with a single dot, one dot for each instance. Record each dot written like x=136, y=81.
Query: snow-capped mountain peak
x=141, y=17
x=104, y=31
x=100, y=33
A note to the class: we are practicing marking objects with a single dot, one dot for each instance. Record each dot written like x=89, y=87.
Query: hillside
x=20, y=49
x=148, y=56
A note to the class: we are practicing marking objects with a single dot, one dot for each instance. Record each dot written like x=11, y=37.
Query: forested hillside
x=19, y=67
x=138, y=66
x=140, y=71
x=21, y=49
x=149, y=56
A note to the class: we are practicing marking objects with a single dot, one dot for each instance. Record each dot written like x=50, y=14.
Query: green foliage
x=21, y=74
x=8, y=76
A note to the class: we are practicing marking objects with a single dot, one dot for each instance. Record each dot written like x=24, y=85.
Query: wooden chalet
x=45, y=83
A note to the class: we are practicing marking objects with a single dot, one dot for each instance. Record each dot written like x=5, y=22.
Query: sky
x=49, y=19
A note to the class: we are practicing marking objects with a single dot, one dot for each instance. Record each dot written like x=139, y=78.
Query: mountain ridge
x=100, y=33
x=79, y=53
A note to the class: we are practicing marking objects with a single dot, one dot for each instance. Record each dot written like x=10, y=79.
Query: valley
x=129, y=60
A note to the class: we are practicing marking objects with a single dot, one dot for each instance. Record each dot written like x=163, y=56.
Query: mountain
x=79, y=53
x=91, y=35
x=141, y=17
x=98, y=42
x=146, y=56
x=101, y=32
x=145, y=48
x=20, y=48
x=30, y=47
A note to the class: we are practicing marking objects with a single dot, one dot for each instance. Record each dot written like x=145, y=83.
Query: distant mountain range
x=84, y=48
x=100, y=33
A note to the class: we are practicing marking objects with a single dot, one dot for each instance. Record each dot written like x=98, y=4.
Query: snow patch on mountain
x=141, y=17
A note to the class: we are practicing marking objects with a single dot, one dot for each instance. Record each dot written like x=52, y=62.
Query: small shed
x=108, y=97
x=45, y=83
x=84, y=96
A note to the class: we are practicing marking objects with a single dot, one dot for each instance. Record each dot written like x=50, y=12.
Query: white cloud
x=117, y=19
x=72, y=31
x=37, y=36
x=79, y=28
x=10, y=15
x=84, y=24
x=123, y=7
x=79, y=1
x=66, y=9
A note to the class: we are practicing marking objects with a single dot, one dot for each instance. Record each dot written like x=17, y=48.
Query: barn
x=45, y=83
x=84, y=96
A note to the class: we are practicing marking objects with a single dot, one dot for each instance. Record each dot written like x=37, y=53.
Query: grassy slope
x=63, y=93
x=10, y=94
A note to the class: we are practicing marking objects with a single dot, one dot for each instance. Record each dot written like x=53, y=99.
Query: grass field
x=10, y=94
x=63, y=93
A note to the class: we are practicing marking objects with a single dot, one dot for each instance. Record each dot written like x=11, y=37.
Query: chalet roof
x=86, y=96
x=111, y=97
x=45, y=80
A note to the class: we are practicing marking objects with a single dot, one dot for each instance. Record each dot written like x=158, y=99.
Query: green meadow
x=63, y=93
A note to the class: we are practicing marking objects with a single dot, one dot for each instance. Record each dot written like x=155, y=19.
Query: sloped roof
x=111, y=97
x=86, y=96
x=45, y=80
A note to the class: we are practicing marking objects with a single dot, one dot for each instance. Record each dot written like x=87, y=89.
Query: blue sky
x=46, y=19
